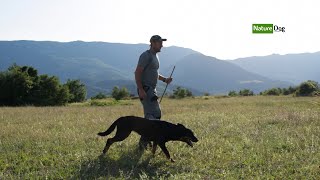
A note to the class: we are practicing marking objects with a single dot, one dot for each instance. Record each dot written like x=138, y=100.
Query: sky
x=218, y=28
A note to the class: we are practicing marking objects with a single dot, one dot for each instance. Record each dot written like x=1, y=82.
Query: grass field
x=239, y=138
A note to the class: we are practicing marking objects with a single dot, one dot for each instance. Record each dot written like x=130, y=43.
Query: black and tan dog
x=157, y=131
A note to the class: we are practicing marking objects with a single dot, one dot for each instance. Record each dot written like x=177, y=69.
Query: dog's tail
x=109, y=130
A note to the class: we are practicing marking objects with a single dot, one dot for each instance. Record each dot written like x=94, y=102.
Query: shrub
x=232, y=93
x=77, y=91
x=246, y=92
x=316, y=93
x=181, y=93
x=100, y=95
x=21, y=85
x=307, y=88
x=119, y=93
x=272, y=91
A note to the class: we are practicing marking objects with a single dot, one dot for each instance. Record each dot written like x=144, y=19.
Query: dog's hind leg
x=118, y=137
x=165, y=150
x=107, y=146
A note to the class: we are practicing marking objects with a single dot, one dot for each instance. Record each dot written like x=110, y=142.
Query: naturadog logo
x=266, y=28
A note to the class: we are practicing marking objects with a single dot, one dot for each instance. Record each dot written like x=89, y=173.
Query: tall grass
x=239, y=138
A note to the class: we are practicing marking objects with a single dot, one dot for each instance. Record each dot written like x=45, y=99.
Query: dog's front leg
x=154, y=148
x=165, y=150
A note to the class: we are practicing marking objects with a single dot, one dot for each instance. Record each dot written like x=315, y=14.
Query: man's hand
x=142, y=94
x=168, y=80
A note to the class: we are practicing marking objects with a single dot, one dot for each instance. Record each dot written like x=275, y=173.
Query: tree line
x=123, y=93
x=22, y=85
x=307, y=88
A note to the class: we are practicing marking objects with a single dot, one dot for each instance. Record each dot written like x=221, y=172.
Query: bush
x=316, y=93
x=246, y=92
x=279, y=91
x=307, y=88
x=21, y=85
x=189, y=93
x=99, y=103
x=100, y=95
x=77, y=91
x=16, y=86
x=181, y=93
x=49, y=91
x=232, y=93
x=273, y=91
x=119, y=93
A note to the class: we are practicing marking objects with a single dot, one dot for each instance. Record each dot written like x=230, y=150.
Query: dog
x=157, y=131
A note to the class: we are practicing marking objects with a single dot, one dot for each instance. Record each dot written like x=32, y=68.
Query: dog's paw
x=172, y=160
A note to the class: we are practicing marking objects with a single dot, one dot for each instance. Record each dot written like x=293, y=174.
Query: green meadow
x=259, y=137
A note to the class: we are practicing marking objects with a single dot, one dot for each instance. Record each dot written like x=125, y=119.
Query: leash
x=167, y=85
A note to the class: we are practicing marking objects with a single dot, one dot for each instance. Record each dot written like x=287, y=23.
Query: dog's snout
x=195, y=139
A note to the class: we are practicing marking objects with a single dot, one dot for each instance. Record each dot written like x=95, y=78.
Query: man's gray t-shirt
x=150, y=64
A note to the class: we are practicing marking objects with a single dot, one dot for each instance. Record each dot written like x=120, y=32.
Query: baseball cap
x=157, y=38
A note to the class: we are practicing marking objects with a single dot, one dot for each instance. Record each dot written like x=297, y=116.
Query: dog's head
x=187, y=135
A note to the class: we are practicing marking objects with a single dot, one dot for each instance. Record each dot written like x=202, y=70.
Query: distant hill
x=211, y=75
x=100, y=65
x=96, y=59
x=103, y=65
x=294, y=68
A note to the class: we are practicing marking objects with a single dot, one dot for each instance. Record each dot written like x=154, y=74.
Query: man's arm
x=166, y=80
x=137, y=75
x=161, y=78
x=142, y=64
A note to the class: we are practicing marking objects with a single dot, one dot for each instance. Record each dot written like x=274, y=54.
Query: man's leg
x=151, y=106
x=152, y=111
x=143, y=142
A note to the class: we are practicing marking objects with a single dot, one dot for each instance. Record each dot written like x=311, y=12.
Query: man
x=147, y=76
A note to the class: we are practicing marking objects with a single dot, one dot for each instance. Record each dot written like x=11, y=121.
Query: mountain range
x=293, y=68
x=102, y=65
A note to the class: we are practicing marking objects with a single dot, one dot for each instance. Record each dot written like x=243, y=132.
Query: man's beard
x=156, y=50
